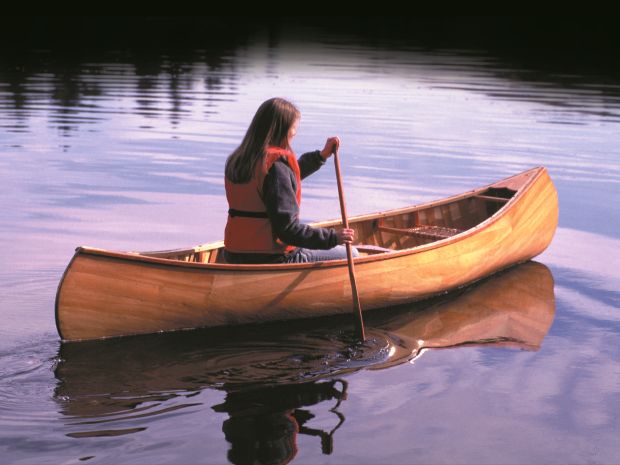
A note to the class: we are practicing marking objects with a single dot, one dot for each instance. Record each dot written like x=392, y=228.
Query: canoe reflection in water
x=273, y=373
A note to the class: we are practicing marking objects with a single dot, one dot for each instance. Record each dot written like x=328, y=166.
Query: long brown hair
x=269, y=127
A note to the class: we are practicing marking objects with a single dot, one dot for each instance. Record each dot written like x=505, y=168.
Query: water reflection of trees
x=65, y=62
x=71, y=81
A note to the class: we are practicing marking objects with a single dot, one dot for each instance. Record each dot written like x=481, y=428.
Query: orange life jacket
x=248, y=229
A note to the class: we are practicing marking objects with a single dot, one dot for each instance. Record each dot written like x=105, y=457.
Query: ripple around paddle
x=303, y=357
x=138, y=369
x=123, y=380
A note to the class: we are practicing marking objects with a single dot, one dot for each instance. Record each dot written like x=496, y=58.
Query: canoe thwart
x=492, y=199
x=424, y=231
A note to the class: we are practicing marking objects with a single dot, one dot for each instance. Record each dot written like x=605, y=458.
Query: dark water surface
x=125, y=150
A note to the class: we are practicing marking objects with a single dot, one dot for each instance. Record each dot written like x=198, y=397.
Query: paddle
x=345, y=223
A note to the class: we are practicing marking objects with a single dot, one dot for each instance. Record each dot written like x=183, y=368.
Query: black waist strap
x=233, y=212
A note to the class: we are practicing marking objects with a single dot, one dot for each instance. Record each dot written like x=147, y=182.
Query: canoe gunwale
x=135, y=256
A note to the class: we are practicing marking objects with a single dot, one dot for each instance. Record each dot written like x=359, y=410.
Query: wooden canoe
x=408, y=254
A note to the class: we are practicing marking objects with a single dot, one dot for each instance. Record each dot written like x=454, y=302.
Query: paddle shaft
x=345, y=223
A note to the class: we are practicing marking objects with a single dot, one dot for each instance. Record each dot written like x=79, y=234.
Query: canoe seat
x=367, y=249
x=435, y=233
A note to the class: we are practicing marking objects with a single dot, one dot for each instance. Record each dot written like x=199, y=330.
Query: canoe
x=407, y=254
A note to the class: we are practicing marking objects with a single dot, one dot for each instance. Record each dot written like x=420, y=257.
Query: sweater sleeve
x=309, y=163
x=279, y=197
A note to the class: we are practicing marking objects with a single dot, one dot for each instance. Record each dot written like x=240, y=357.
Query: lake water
x=126, y=150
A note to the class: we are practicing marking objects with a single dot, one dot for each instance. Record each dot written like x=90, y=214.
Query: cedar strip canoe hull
x=107, y=294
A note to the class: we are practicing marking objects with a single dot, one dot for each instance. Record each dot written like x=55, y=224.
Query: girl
x=263, y=189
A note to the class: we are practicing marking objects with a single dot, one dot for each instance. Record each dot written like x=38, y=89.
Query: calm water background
x=125, y=150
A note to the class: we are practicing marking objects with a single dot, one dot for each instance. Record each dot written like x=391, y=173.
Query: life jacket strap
x=233, y=212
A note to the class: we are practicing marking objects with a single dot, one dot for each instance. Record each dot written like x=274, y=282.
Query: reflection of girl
x=264, y=423
x=263, y=189
x=262, y=439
